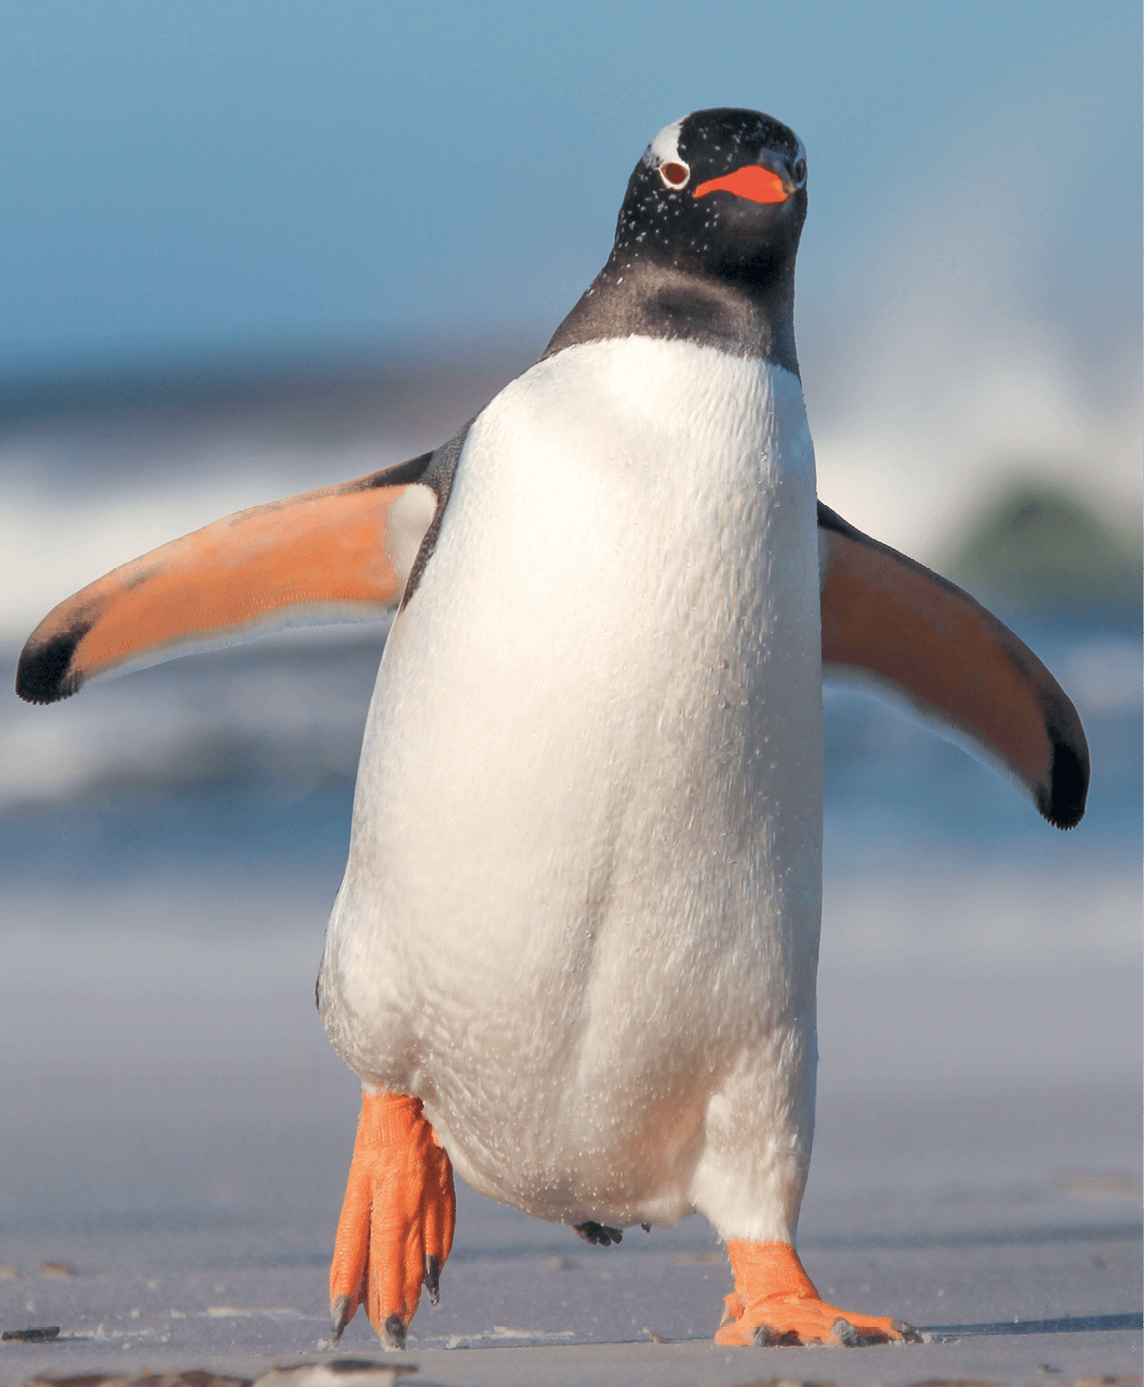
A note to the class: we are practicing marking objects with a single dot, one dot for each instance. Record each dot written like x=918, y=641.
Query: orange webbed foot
x=396, y=1226
x=774, y=1302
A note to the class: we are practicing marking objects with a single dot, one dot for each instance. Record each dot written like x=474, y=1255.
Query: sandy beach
x=1019, y=1261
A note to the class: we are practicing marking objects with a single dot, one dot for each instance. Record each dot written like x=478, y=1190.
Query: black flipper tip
x=42, y=675
x=1062, y=801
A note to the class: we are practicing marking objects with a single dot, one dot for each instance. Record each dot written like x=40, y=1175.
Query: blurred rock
x=1036, y=547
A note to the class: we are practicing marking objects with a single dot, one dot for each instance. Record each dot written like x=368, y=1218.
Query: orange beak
x=752, y=182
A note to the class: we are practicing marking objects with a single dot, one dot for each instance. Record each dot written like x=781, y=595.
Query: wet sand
x=1004, y=1223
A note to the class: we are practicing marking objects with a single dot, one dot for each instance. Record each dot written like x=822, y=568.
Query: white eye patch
x=664, y=149
x=663, y=154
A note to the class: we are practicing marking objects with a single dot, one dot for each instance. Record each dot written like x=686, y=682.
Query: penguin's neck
x=647, y=298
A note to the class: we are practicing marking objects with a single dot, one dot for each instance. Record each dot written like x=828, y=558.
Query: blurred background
x=254, y=248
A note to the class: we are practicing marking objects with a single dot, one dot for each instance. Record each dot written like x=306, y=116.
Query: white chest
x=591, y=779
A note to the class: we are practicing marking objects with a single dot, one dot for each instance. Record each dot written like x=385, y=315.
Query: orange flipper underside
x=343, y=553
x=396, y=1228
x=888, y=620
x=774, y=1302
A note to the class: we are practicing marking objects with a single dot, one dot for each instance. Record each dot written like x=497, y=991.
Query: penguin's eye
x=799, y=170
x=674, y=174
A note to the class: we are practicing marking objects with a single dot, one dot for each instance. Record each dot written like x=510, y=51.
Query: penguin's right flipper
x=343, y=553
x=889, y=622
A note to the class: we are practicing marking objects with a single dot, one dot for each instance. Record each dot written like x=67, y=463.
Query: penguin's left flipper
x=775, y=1304
x=889, y=622
x=343, y=553
x=396, y=1227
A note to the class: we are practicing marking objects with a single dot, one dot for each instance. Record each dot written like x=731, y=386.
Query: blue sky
x=190, y=176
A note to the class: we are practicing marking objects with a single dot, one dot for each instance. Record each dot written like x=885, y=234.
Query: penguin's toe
x=787, y=1322
x=396, y=1226
x=774, y=1303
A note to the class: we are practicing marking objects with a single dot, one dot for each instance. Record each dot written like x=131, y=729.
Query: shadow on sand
x=1071, y=1324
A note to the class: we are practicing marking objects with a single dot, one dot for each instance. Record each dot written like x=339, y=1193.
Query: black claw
x=599, y=1233
x=646, y=1227
x=908, y=1332
x=767, y=1336
x=846, y=1333
x=341, y=1314
x=432, y=1278
x=393, y=1332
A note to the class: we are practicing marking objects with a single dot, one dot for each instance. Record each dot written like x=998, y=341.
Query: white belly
x=580, y=913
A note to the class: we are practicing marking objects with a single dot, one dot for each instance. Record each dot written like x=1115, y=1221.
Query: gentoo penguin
x=573, y=955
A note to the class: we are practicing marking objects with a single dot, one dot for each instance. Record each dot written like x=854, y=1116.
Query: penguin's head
x=721, y=192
